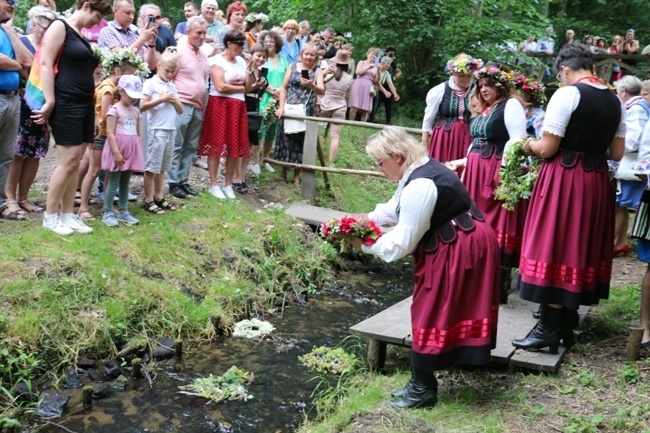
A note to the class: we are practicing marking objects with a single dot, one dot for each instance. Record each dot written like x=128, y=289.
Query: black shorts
x=73, y=121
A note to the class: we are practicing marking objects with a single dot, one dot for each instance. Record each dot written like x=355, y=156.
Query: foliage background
x=427, y=33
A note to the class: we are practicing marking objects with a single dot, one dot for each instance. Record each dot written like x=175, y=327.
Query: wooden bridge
x=393, y=325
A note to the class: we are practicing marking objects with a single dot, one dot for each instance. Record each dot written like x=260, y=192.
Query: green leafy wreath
x=517, y=175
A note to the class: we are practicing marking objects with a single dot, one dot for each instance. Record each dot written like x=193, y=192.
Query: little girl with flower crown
x=123, y=155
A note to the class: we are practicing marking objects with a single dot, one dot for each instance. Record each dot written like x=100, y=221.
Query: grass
x=595, y=390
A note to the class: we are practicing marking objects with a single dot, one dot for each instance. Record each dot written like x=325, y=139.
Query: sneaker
x=228, y=191
x=216, y=191
x=52, y=222
x=124, y=216
x=133, y=197
x=255, y=169
x=198, y=162
x=269, y=167
x=100, y=195
x=72, y=221
x=109, y=219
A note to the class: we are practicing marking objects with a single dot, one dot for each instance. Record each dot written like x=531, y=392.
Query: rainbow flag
x=34, y=96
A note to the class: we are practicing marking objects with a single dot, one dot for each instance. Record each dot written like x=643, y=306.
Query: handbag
x=254, y=121
x=294, y=126
x=625, y=171
x=641, y=225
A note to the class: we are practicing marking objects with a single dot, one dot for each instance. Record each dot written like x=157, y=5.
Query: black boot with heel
x=420, y=391
x=546, y=332
x=506, y=284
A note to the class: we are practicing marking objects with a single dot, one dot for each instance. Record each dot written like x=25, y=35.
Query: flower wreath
x=112, y=58
x=532, y=88
x=253, y=17
x=501, y=77
x=463, y=65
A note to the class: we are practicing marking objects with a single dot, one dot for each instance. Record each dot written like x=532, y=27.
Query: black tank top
x=76, y=65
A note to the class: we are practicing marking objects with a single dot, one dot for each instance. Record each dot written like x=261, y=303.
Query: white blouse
x=635, y=120
x=416, y=201
x=514, y=116
x=434, y=98
x=563, y=103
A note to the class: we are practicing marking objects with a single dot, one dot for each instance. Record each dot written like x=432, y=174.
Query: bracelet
x=151, y=46
x=527, y=148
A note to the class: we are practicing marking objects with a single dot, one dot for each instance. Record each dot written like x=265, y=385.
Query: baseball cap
x=132, y=85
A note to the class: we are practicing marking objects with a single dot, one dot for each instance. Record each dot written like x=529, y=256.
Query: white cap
x=132, y=85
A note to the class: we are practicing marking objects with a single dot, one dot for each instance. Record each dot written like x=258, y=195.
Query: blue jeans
x=188, y=133
x=9, y=120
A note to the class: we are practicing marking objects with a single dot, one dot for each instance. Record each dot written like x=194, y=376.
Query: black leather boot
x=569, y=321
x=403, y=391
x=421, y=391
x=545, y=333
x=506, y=284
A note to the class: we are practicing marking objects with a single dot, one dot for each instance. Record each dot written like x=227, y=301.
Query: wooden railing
x=313, y=150
x=604, y=64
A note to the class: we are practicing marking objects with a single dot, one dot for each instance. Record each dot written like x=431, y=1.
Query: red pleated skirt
x=456, y=301
x=567, y=253
x=449, y=144
x=225, y=129
x=481, y=178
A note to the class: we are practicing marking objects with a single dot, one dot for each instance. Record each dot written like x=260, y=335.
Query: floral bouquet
x=363, y=228
x=268, y=114
x=517, y=176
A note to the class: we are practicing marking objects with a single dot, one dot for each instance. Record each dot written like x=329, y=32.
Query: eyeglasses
x=559, y=74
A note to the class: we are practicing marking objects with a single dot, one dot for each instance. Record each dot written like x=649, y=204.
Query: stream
x=282, y=387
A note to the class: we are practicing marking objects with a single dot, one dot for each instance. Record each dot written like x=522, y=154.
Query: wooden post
x=634, y=342
x=376, y=353
x=309, y=158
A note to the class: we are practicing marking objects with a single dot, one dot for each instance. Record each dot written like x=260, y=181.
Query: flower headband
x=253, y=17
x=463, y=66
x=501, y=77
x=534, y=89
x=113, y=58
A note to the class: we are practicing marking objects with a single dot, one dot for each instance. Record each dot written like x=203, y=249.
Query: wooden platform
x=313, y=215
x=393, y=326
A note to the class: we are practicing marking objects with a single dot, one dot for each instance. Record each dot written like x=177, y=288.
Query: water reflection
x=281, y=388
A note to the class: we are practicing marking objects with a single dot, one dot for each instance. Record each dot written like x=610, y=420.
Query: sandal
x=29, y=206
x=164, y=204
x=152, y=207
x=77, y=198
x=85, y=215
x=240, y=188
x=12, y=214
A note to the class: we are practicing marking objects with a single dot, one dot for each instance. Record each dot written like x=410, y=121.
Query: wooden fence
x=313, y=150
x=604, y=64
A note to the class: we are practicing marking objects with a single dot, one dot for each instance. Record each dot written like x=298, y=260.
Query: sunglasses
x=158, y=17
x=240, y=43
x=11, y=2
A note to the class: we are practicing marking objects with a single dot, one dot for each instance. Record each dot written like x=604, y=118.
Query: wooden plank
x=515, y=321
x=309, y=152
x=392, y=325
x=313, y=215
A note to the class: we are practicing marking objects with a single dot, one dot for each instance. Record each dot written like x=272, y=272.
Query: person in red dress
x=445, y=127
x=501, y=121
x=456, y=294
x=566, y=256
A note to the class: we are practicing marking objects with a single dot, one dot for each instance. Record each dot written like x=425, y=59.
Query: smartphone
x=305, y=74
x=264, y=72
x=152, y=21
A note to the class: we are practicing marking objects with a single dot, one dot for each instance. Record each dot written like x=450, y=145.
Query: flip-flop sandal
x=85, y=215
x=164, y=204
x=29, y=206
x=14, y=215
x=152, y=207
